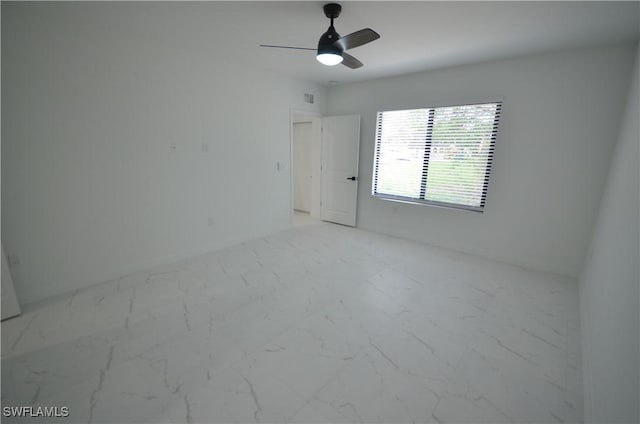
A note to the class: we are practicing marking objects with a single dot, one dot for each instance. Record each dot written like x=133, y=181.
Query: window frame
x=424, y=174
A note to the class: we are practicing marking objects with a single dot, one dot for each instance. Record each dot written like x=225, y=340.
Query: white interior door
x=340, y=153
x=302, y=166
x=10, y=306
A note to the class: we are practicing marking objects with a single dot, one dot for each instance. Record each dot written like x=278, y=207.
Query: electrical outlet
x=173, y=147
x=205, y=147
x=210, y=221
x=13, y=260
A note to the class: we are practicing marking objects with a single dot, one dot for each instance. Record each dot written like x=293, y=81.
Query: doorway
x=306, y=155
x=302, y=177
x=324, y=168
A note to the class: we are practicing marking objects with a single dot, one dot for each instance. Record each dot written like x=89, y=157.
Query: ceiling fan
x=331, y=46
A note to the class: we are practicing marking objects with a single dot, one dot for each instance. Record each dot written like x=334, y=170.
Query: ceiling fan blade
x=358, y=38
x=287, y=47
x=350, y=61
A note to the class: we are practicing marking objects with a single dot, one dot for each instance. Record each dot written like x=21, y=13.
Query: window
x=438, y=156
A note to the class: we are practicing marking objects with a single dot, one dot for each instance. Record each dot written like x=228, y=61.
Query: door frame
x=316, y=159
x=10, y=304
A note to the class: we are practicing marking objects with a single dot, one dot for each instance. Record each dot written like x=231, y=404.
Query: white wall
x=610, y=284
x=552, y=153
x=93, y=96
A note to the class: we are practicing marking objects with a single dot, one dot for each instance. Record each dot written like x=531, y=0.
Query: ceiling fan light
x=329, y=59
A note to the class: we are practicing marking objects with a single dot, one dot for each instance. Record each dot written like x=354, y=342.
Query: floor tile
x=319, y=323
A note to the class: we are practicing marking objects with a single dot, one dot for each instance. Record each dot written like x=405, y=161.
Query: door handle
x=351, y=178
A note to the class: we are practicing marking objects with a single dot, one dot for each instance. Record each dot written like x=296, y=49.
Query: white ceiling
x=418, y=36
x=415, y=36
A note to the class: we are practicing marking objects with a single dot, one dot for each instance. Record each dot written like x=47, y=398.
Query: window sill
x=441, y=205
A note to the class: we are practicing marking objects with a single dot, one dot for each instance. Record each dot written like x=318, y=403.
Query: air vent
x=308, y=98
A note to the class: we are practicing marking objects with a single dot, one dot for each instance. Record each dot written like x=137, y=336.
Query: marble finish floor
x=317, y=324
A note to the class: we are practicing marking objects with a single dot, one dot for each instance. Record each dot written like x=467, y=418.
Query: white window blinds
x=438, y=156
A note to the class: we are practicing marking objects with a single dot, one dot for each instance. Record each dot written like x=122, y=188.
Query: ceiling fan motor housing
x=327, y=42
